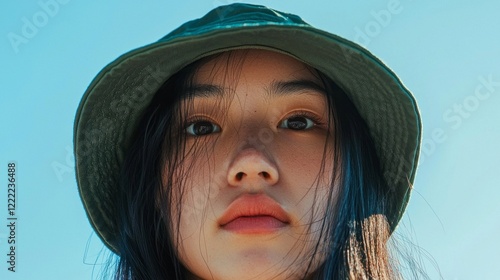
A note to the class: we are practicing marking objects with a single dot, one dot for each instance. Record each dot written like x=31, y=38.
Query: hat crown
x=234, y=15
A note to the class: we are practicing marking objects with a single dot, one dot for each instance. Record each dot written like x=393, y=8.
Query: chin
x=258, y=266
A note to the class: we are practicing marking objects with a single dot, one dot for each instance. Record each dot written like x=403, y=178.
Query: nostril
x=265, y=175
x=250, y=168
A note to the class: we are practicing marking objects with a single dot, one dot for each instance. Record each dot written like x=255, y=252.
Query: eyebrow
x=277, y=88
x=282, y=88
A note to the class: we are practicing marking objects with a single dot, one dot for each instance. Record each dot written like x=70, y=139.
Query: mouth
x=254, y=214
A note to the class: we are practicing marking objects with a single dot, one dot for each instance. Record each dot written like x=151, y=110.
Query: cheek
x=188, y=217
x=304, y=160
x=306, y=172
x=198, y=184
x=197, y=190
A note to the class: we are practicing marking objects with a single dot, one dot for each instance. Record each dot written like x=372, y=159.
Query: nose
x=253, y=170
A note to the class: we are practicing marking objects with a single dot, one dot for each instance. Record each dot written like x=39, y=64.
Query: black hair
x=355, y=229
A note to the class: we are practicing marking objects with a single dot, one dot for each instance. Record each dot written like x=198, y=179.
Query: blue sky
x=446, y=52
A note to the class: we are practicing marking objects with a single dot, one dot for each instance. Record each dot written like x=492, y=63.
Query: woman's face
x=253, y=187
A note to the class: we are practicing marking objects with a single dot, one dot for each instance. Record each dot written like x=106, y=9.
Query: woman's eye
x=200, y=128
x=297, y=123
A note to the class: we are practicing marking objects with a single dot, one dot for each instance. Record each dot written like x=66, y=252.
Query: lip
x=254, y=214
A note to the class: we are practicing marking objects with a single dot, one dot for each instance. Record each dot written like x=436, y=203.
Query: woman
x=247, y=145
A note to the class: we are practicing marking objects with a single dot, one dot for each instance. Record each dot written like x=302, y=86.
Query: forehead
x=253, y=65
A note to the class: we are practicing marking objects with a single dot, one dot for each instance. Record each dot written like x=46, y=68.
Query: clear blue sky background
x=442, y=50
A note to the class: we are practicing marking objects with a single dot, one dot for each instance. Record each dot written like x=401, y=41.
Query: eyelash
x=297, y=114
x=306, y=114
x=197, y=119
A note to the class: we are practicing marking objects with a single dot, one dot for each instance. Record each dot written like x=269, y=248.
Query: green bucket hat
x=114, y=102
